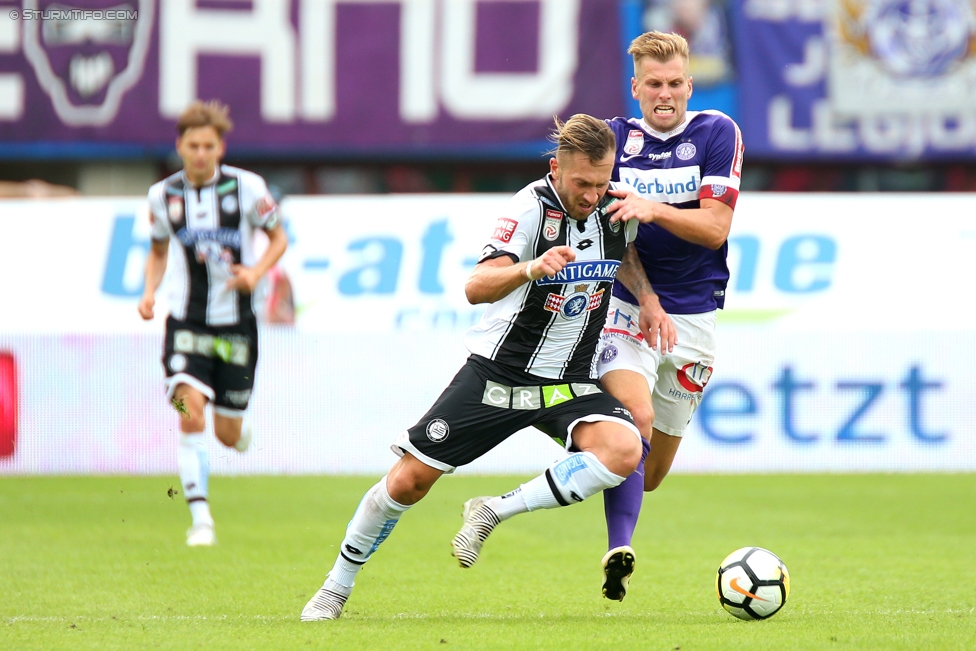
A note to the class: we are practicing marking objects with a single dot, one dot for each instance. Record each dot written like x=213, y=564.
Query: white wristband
x=528, y=270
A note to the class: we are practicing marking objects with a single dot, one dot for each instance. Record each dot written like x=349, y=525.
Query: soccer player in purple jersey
x=682, y=170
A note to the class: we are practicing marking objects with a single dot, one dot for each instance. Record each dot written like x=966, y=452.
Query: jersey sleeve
x=514, y=231
x=723, y=163
x=158, y=222
x=258, y=206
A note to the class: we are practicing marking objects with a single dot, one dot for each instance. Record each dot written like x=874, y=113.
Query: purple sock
x=622, y=504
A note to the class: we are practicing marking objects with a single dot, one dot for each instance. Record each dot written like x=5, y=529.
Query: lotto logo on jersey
x=504, y=229
x=550, y=229
x=635, y=142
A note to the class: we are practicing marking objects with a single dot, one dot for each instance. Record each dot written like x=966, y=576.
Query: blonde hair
x=583, y=134
x=210, y=114
x=658, y=46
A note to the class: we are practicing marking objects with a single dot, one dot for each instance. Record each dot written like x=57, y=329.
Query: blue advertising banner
x=305, y=77
x=857, y=80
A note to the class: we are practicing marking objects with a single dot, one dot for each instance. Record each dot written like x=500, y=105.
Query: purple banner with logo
x=314, y=77
x=858, y=80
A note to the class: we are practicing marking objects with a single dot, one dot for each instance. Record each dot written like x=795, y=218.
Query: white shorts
x=675, y=379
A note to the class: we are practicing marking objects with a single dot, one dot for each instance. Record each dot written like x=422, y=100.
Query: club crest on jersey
x=576, y=304
x=685, y=151
x=504, y=229
x=635, y=142
x=228, y=204
x=550, y=230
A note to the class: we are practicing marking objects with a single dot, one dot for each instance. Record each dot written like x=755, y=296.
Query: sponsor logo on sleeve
x=635, y=142
x=550, y=229
x=504, y=229
x=265, y=206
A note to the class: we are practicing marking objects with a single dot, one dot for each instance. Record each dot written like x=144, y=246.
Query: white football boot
x=201, y=535
x=618, y=566
x=327, y=603
x=479, y=521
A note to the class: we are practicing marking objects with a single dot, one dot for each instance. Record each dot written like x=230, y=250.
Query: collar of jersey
x=207, y=184
x=678, y=130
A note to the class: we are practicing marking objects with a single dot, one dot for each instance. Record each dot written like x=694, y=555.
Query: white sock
x=571, y=480
x=509, y=504
x=372, y=523
x=194, y=464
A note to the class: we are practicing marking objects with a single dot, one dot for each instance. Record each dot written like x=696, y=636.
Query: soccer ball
x=752, y=583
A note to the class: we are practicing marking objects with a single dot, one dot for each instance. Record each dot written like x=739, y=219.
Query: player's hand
x=243, y=280
x=631, y=206
x=551, y=262
x=656, y=324
x=146, y=304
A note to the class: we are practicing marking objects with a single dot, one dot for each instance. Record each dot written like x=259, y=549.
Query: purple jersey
x=700, y=159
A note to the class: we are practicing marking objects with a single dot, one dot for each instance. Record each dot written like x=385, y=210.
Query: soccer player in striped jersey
x=681, y=169
x=203, y=223
x=547, y=272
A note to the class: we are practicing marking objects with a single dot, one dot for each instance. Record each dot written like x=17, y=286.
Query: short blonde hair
x=658, y=46
x=210, y=114
x=583, y=134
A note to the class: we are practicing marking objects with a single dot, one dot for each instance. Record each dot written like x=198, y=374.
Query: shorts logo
x=177, y=362
x=504, y=229
x=635, y=142
x=609, y=354
x=238, y=398
x=685, y=151
x=551, y=228
x=534, y=397
x=228, y=204
x=437, y=430
x=693, y=377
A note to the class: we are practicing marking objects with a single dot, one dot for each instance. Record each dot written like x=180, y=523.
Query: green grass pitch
x=877, y=562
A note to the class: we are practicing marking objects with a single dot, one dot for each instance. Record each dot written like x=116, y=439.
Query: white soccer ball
x=752, y=583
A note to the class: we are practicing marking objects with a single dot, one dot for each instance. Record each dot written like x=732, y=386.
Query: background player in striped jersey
x=203, y=223
x=682, y=170
x=547, y=272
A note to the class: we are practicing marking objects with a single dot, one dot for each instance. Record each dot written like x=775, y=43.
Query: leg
x=232, y=430
x=194, y=463
x=664, y=447
x=380, y=509
x=608, y=451
x=622, y=503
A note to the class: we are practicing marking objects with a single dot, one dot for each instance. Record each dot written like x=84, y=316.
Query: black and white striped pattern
x=209, y=229
x=524, y=330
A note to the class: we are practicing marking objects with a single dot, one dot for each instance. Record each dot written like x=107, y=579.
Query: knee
x=193, y=423
x=408, y=482
x=622, y=454
x=227, y=433
x=652, y=480
x=643, y=415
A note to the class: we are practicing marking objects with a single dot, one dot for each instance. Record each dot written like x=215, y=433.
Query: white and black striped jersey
x=210, y=228
x=550, y=327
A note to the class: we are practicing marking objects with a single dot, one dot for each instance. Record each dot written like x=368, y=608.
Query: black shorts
x=486, y=403
x=218, y=361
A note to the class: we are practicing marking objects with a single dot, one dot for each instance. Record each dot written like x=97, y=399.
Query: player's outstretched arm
x=707, y=226
x=654, y=322
x=245, y=279
x=496, y=278
x=155, y=268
